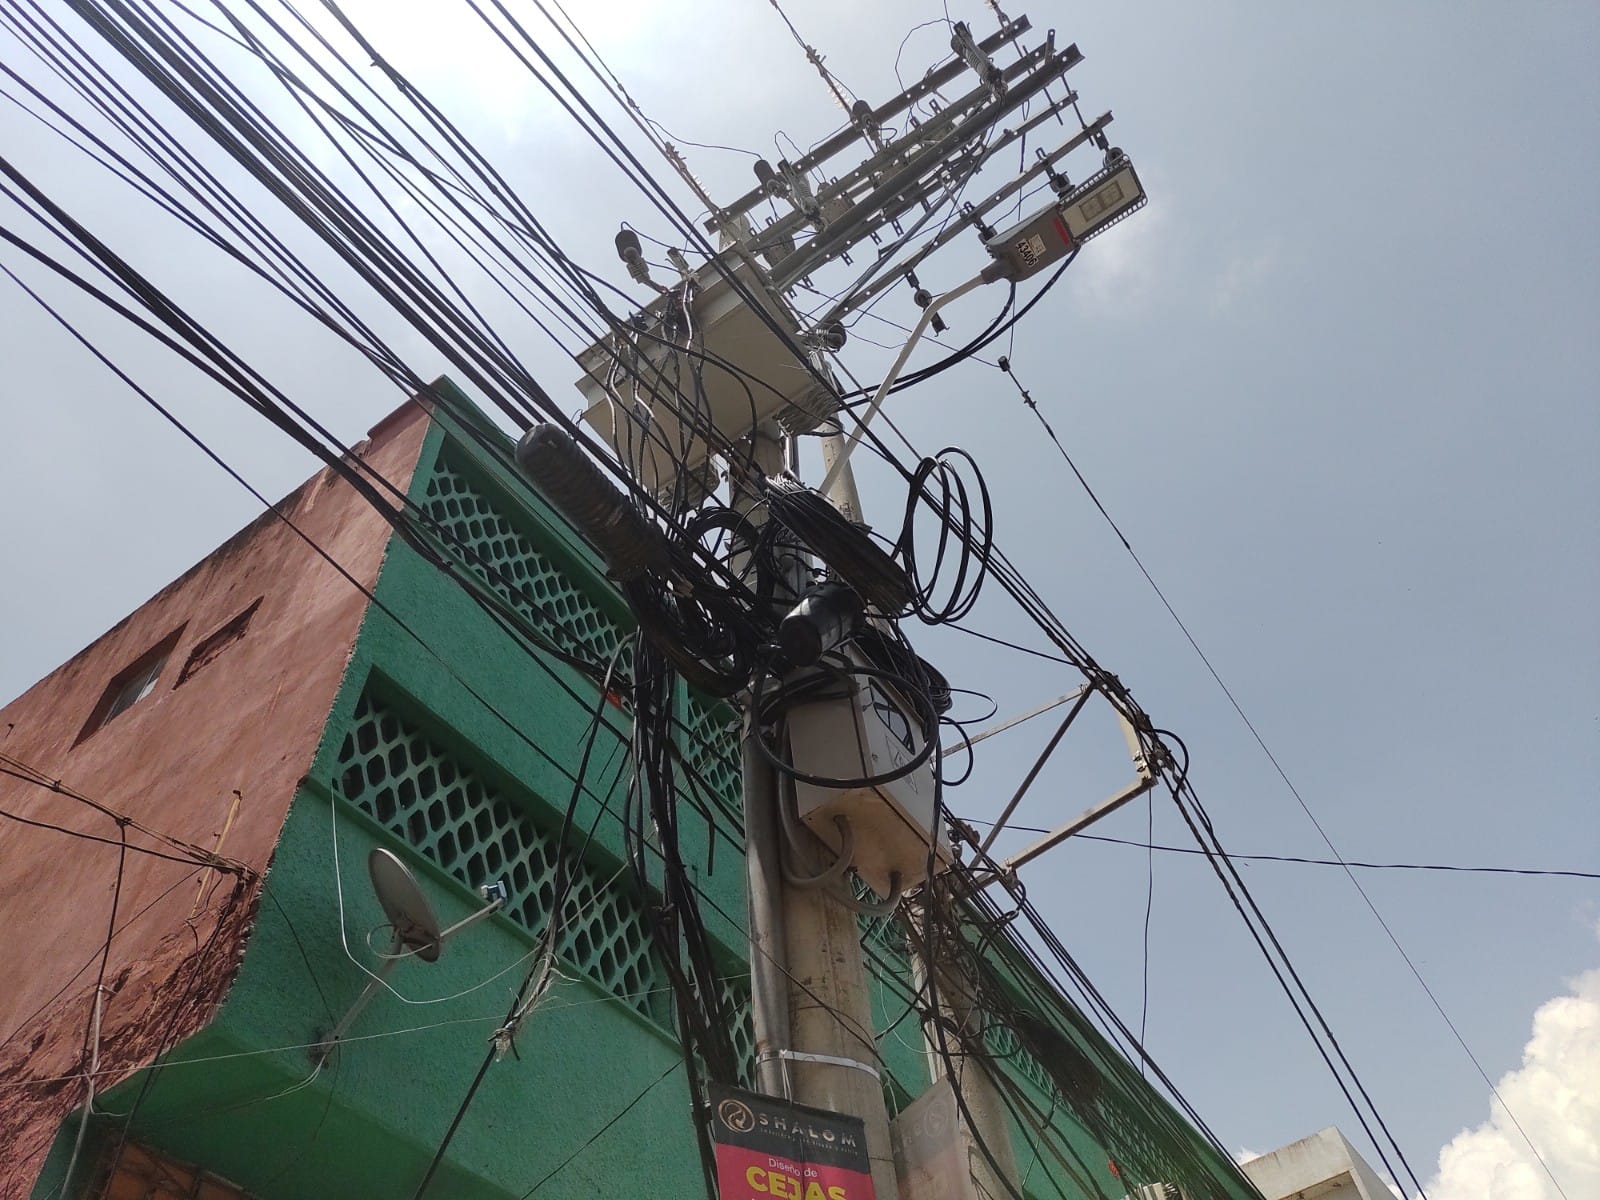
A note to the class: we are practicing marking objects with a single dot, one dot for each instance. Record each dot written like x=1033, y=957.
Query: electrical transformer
x=736, y=332
x=869, y=733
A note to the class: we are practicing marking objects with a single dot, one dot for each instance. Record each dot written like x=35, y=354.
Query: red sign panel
x=770, y=1149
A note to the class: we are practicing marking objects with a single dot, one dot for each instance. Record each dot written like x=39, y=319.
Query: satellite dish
x=416, y=932
x=416, y=925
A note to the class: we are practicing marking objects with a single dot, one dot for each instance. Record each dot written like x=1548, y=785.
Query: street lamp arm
x=995, y=270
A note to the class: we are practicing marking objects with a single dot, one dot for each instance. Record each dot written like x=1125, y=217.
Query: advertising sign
x=770, y=1149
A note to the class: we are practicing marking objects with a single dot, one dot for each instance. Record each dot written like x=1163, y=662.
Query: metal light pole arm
x=989, y=274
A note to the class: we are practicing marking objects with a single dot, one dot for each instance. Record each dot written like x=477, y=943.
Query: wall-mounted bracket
x=416, y=933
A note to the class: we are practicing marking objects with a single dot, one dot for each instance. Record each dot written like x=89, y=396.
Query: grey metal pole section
x=769, y=982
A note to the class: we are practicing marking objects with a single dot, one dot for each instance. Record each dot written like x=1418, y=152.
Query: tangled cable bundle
x=966, y=531
x=848, y=550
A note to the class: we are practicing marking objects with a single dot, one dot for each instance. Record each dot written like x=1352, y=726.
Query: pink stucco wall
x=232, y=739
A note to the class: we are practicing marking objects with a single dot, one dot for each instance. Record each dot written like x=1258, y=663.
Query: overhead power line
x=1317, y=862
x=438, y=309
x=1277, y=766
x=15, y=768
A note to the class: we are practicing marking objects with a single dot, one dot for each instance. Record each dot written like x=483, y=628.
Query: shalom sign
x=770, y=1149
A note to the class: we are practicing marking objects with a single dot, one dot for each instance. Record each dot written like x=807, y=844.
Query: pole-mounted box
x=1030, y=246
x=869, y=733
x=697, y=369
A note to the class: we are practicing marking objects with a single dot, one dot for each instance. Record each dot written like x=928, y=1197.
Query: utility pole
x=811, y=1000
x=952, y=1029
x=953, y=1033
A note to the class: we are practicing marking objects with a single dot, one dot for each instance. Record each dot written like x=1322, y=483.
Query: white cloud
x=1118, y=271
x=459, y=61
x=1243, y=274
x=1555, y=1095
x=1242, y=1156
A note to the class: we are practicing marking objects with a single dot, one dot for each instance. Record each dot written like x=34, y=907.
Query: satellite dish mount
x=417, y=933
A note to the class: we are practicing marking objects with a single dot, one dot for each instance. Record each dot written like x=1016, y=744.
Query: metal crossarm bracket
x=1144, y=780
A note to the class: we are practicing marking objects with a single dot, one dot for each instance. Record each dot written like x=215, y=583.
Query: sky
x=1337, y=386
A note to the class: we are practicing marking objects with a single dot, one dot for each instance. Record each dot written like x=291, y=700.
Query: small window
x=139, y=685
x=131, y=685
x=215, y=643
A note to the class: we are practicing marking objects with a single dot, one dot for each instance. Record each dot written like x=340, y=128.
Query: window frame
x=145, y=672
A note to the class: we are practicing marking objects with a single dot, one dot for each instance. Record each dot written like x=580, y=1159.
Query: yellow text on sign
x=783, y=1187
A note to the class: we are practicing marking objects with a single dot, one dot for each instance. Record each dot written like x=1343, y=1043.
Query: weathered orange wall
x=245, y=726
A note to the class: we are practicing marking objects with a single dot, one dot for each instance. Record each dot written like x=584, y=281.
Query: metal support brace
x=1109, y=805
x=1033, y=773
x=1013, y=722
x=988, y=275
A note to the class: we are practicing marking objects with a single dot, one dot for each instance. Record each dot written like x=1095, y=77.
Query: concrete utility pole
x=811, y=1001
x=811, y=1004
x=985, y=1124
x=956, y=1029
x=814, y=1037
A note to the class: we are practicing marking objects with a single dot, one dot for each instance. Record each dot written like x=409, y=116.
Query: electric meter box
x=869, y=733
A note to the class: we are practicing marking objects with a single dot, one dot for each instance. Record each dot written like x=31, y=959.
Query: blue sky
x=1338, y=386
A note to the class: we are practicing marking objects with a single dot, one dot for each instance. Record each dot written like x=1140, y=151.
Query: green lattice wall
x=504, y=554
x=736, y=992
x=710, y=745
x=395, y=773
x=448, y=811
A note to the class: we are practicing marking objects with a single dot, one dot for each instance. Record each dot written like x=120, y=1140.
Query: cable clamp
x=830, y=1060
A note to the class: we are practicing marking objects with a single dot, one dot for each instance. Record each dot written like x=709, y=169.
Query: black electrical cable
x=480, y=380
x=539, y=965
x=995, y=330
x=833, y=681
x=1272, y=758
x=201, y=968
x=851, y=554
x=1239, y=894
x=1149, y=907
x=1049, y=1000
x=1032, y=604
x=89, y=962
x=601, y=1132
x=268, y=505
x=969, y=527
x=1315, y=862
x=1015, y=585
x=15, y=768
x=508, y=620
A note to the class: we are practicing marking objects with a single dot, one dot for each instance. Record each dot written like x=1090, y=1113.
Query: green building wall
x=459, y=752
